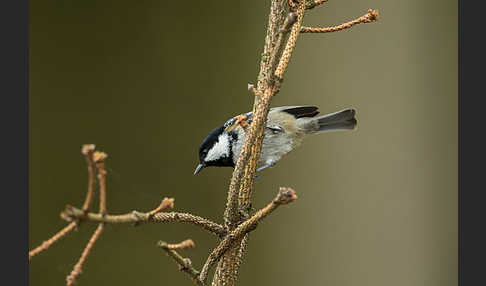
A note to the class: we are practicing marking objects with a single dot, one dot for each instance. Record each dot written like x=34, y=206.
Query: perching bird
x=286, y=127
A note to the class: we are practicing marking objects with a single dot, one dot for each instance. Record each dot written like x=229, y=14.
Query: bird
x=285, y=129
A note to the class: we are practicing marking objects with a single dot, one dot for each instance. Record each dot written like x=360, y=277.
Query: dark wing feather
x=299, y=111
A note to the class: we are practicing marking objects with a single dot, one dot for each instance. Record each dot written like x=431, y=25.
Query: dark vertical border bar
x=472, y=144
x=460, y=143
x=14, y=135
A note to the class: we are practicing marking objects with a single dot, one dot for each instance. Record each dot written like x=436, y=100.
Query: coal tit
x=286, y=128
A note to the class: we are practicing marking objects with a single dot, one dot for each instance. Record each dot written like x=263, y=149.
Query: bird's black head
x=216, y=150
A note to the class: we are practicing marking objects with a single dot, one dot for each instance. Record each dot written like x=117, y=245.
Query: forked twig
x=284, y=196
x=185, y=264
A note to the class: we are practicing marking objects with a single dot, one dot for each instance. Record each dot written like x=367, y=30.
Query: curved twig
x=185, y=264
x=370, y=16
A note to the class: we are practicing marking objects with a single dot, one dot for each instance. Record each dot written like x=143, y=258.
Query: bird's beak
x=198, y=168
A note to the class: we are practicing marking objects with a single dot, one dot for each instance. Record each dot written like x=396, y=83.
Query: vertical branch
x=227, y=269
x=264, y=105
x=243, y=176
x=276, y=18
x=87, y=151
x=289, y=48
x=99, y=158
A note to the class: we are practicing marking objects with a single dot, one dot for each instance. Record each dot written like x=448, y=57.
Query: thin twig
x=184, y=263
x=188, y=243
x=72, y=213
x=370, y=16
x=46, y=244
x=78, y=268
x=99, y=158
x=87, y=150
x=253, y=90
x=284, y=196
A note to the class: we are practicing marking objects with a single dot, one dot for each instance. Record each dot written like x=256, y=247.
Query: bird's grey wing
x=298, y=111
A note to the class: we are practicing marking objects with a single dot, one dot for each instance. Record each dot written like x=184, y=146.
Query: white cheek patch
x=220, y=150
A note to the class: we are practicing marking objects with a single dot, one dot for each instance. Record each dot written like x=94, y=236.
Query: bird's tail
x=341, y=120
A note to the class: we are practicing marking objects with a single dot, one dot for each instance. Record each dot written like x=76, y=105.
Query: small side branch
x=165, y=204
x=46, y=244
x=99, y=158
x=87, y=150
x=188, y=243
x=370, y=16
x=284, y=196
x=72, y=213
x=184, y=263
x=78, y=268
x=253, y=90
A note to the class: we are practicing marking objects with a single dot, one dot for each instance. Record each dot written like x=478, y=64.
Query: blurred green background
x=147, y=80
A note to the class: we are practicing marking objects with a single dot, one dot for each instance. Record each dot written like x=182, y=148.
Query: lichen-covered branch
x=244, y=173
x=275, y=20
x=289, y=48
x=72, y=213
x=370, y=16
